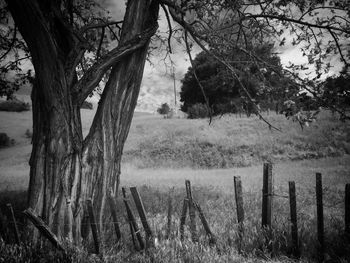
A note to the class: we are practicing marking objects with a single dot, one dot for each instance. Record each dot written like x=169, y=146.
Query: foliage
x=336, y=91
x=225, y=94
x=5, y=140
x=14, y=105
x=164, y=109
x=197, y=111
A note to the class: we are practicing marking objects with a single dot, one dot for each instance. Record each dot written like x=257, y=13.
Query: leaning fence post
x=142, y=213
x=212, y=239
x=293, y=218
x=267, y=195
x=133, y=225
x=347, y=210
x=320, y=226
x=43, y=229
x=183, y=218
x=191, y=211
x=14, y=224
x=93, y=226
x=113, y=206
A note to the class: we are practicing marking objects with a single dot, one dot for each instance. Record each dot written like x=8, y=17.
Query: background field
x=161, y=153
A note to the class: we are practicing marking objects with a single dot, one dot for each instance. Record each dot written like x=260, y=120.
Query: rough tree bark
x=65, y=168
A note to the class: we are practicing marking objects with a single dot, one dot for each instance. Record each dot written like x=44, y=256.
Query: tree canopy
x=225, y=93
x=67, y=42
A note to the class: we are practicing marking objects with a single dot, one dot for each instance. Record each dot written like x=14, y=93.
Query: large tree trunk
x=105, y=142
x=66, y=169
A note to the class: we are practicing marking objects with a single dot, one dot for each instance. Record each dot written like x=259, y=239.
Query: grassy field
x=160, y=154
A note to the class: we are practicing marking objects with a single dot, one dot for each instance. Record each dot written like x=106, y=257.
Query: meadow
x=160, y=154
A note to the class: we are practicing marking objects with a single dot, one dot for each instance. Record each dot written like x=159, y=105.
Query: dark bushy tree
x=164, y=109
x=223, y=91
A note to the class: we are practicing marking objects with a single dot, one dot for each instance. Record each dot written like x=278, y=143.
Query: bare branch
x=169, y=25
x=98, y=25
x=100, y=43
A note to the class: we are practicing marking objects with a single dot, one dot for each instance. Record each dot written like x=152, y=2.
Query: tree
x=66, y=168
x=164, y=109
x=336, y=91
x=223, y=91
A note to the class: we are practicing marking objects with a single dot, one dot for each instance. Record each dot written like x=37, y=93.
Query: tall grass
x=232, y=142
x=257, y=244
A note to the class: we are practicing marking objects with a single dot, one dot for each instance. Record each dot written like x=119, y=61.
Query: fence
x=191, y=208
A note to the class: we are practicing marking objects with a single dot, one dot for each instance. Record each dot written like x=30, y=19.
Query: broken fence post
x=212, y=239
x=43, y=229
x=14, y=223
x=93, y=226
x=191, y=211
x=142, y=213
x=133, y=225
x=293, y=218
x=183, y=218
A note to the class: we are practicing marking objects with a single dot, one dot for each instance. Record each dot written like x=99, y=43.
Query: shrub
x=87, y=105
x=14, y=105
x=198, y=110
x=164, y=109
x=28, y=134
x=5, y=141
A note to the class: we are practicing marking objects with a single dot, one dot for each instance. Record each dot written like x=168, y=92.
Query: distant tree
x=222, y=89
x=164, y=109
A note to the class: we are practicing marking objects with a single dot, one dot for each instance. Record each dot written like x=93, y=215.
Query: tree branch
x=296, y=21
x=95, y=73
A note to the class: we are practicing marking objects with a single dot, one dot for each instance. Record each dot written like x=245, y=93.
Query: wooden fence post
x=320, y=226
x=43, y=229
x=267, y=195
x=14, y=224
x=212, y=239
x=169, y=216
x=113, y=208
x=93, y=225
x=347, y=210
x=2, y=226
x=239, y=198
x=293, y=218
x=239, y=208
x=142, y=213
x=183, y=218
x=134, y=229
x=192, y=211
